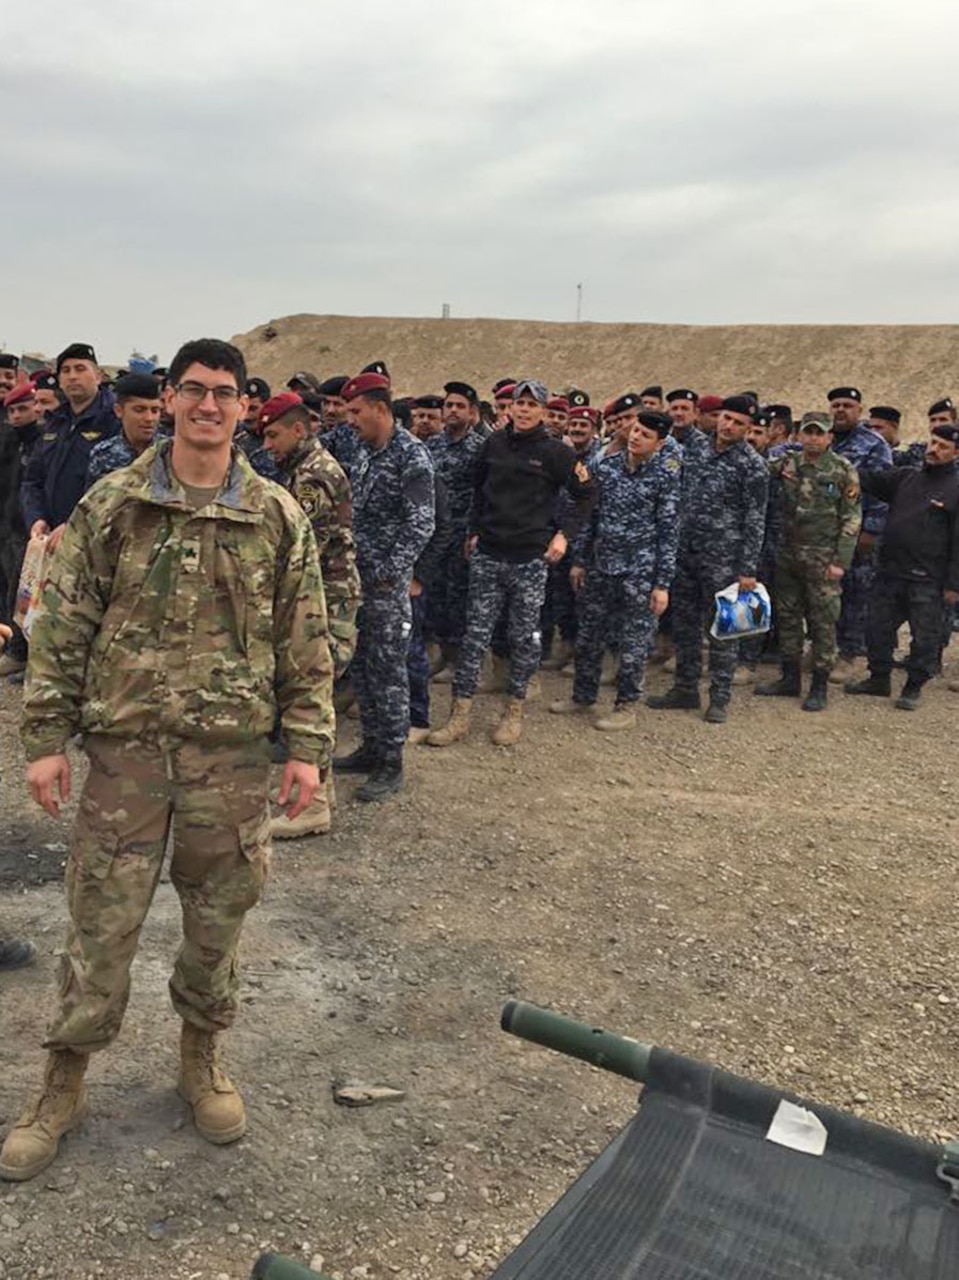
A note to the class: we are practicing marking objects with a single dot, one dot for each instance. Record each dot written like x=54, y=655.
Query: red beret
x=275, y=408
x=22, y=391
x=710, y=404
x=505, y=392
x=364, y=383
x=583, y=413
x=560, y=403
x=609, y=409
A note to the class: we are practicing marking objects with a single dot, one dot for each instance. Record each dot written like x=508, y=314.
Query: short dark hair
x=136, y=386
x=213, y=353
x=299, y=413
x=378, y=395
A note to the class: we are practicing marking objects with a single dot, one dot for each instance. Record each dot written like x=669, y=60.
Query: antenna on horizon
x=579, y=303
x=446, y=311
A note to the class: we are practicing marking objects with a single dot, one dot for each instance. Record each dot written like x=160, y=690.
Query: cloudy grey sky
x=204, y=165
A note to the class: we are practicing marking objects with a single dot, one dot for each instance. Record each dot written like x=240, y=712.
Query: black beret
x=740, y=404
x=886, y=413
x=462, y=389
x=428, y=402
x=45, y=381
x=376, y=366
x=652, y=391
x=941, y=406
x=258, y=387
x=334, y=386
x=8, y=360
x=142, y=385
x=577, y=399
x=682, y=393
x=762, y=418
x=845, y=393
x=782, y=411
x=948, y=431
x=500, y=383
x=661, y=423
x=76, y=351
x=628, y=401
x=312, y=401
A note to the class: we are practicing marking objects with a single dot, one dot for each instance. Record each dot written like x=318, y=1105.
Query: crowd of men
x=224, y=560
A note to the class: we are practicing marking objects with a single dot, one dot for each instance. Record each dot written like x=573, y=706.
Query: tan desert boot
x=535, y=688
x=510, y=728
x=618, y=718
x=34, y=1140
x=315, y=820
x=218, y=1111
x=498, y=677
x=456, y=728
x=561, y=653
x=568, y=707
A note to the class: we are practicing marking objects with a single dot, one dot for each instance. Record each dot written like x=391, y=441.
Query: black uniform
x=57, y=473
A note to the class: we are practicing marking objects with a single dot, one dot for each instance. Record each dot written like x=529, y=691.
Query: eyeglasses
x=196, y=391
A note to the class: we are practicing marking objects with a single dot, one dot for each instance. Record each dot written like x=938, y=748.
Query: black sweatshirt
x=517, y=477
x=921, y=537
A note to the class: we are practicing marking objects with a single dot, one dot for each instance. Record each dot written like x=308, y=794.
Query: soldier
x=9, y=372
x=884, y=419
x=942, y=413
x=426, y=573
x=623, y=564
x=683, y=408
x=708, y=409
x=15, y=953
x=511, y=542
x=18, y=439
x=454, y=453
x=503, y=400
x=866, y=450
x=184, y=610
x=818, y=516
x=918, y=566
x=651, y=399
x=781, y=425
x=56, y=475
x=427, y=414
x=47, y=393
x=138, y=412
x=393, y=520
x=721, y=535
x=317, y=482
x=257, y=394
x=557, y=415
x=338, y=434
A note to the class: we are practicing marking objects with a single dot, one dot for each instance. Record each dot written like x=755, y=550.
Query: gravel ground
x=776, y=895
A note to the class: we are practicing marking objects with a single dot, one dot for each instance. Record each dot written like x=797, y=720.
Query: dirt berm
x=905, y=365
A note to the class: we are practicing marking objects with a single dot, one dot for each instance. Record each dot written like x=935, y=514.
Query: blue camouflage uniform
x=628, y=549
x=393, y=520
x=867, y=451
x=560, y=609
x=257, y=454
x=109, y=455
x=342, y=441
x=721, y=537
x=455, y=461
x=912, y=455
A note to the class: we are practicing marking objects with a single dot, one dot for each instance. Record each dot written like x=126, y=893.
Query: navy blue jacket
x=57, y=472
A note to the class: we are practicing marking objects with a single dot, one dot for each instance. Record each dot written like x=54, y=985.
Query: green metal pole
x=600, y=1048
x=273, y=1266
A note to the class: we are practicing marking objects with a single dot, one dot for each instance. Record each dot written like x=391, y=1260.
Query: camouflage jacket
x=393, y=509
x=318, y=483
x=455, y=461
x=815, y=506
x=257, y=454
x=109, y=455
x=867, y=451
x=344, y=444
x=724, y=507
x=633, y=528
x=165, y=624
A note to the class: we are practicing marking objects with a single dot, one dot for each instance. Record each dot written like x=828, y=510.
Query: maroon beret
x=558, y=403
x=710, y=404
x=583, y=413
x=275, y=408
x=363, y=383
x=22, y=391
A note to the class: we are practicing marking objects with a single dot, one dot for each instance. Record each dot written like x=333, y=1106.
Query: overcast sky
x=204, y=165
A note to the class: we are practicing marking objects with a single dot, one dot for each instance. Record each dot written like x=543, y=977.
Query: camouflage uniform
x=721, y=536
x=344, y=444
x=393, y=520
x=109, y=455
x=867, y=451
x=817, y=515
x=455, y=462
x=169, y=638
x=318, y=483
x=628, y=549
x=560, y=607
x=257, y=454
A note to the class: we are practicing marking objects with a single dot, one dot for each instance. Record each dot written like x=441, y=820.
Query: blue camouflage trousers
x=559, y=606
x=857, y=588
x=493, y=584
x=449, y=593
x=606, y=597
x=695, y=585
x=380, y=677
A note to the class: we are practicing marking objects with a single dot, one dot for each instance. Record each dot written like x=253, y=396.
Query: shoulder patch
x=672, y=463
x=91, y=435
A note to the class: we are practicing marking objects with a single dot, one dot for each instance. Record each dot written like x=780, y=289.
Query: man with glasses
x=184, y=612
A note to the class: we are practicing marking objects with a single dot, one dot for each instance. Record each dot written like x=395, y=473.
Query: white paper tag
x=797, y=1128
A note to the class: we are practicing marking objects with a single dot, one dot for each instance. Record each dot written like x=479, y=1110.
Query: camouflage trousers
x=627, y=599
x=559, y=606
x=380, y=675
x=493, y=584
x=341, y=610
x=857, y=585
x=449, y=593
x=215, y=800
x=804, y=595
x=693, y=605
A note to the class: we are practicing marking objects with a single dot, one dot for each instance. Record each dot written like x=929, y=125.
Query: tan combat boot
x=623, y=717
x=561, y=653
x=34, y=1140
x=315, y=820
x=568, y=707
x=609, y=669
x=535, y=688
x=510, y=728
x=218, y=1111
x=498, y=677
x=456, y=728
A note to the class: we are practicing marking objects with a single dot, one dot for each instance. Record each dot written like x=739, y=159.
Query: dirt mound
x=905, y=365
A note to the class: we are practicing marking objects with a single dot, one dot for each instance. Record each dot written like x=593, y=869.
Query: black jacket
x=427, y=568
x=16, y=447
x=921, y=537
x=517, y=478
x=57, y=472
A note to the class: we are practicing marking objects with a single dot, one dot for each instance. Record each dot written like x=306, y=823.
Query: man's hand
x=305, y=779
x=54, y=539
x=49, y=781
x=556, y=549
x=469, y=546
x=835, y=573
x=950, y=597
x=39, y=529
x=416, y=588
x=659, y=601
x=577, y=576
x=5, y=635
x=747, y=584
